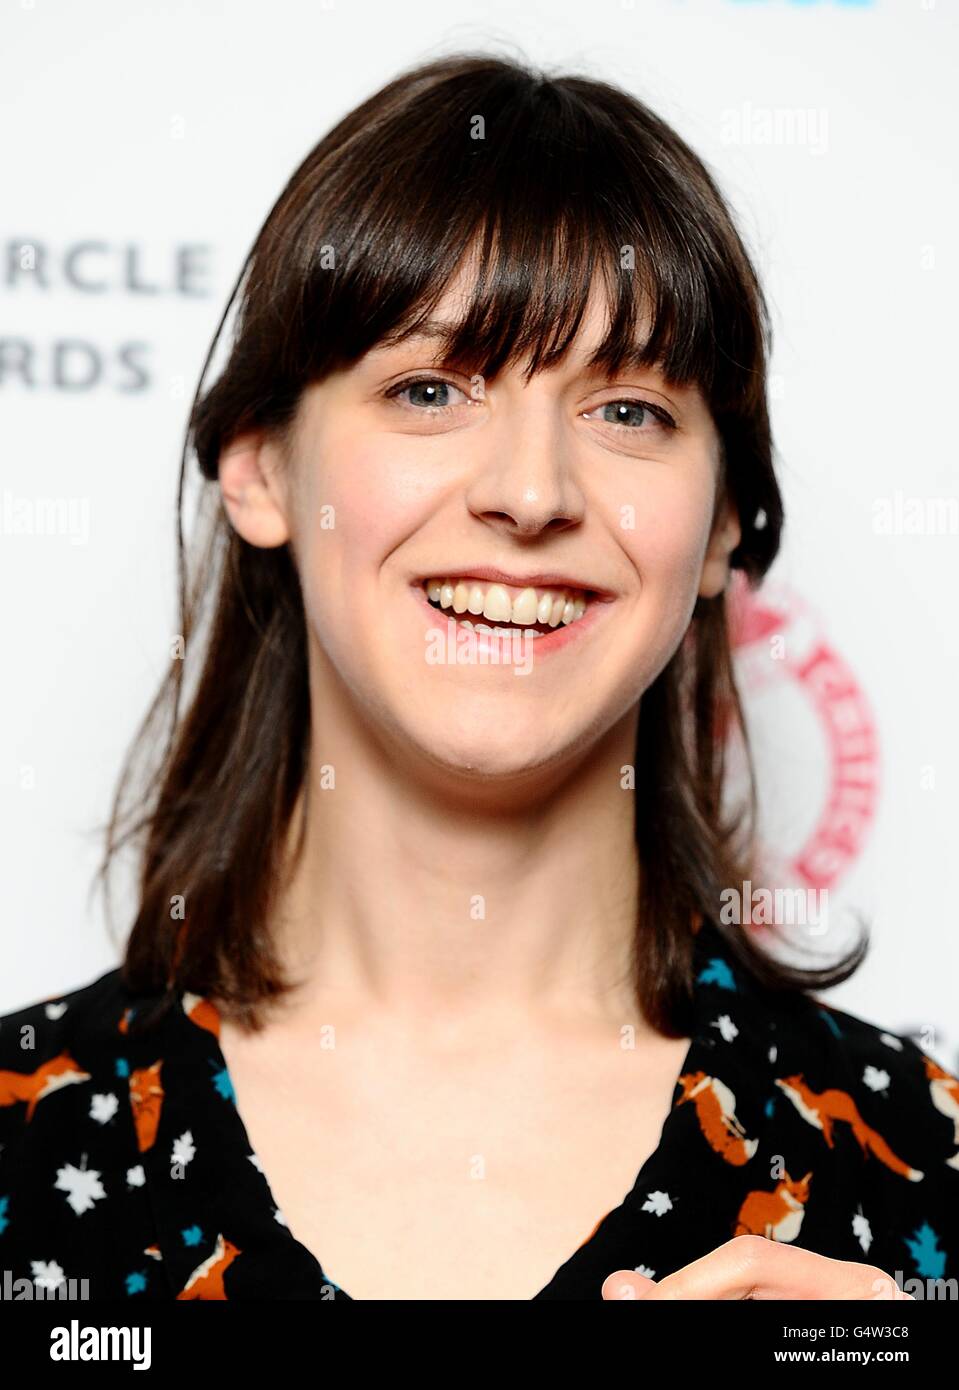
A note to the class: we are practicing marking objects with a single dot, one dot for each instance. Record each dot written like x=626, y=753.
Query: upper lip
x=542, y=579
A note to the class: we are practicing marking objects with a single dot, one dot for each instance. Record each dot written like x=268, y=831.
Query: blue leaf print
x=123, y=1067
x=223, y=1083
x=193, y=1235
x=924, y=1249
x=4, y=1223
x=136, y=1282
x=717, y=972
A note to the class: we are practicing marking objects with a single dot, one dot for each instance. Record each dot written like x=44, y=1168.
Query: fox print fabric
x=125, y=1162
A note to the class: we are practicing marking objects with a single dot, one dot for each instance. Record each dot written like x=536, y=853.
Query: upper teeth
x=493, y=601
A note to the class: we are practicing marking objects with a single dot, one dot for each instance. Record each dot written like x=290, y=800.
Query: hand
x=754, y=1267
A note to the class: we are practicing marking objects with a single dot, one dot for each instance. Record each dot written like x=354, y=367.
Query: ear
x=254, y=496
x=726, y=535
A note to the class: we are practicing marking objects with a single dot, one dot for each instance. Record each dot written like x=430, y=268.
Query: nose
x=525, y=482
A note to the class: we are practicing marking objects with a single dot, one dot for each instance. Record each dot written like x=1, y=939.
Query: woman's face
x=392, y=483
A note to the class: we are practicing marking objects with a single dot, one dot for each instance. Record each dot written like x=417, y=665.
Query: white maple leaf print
x=773, y=1053
x=659, y=1203
x=862, y=1230
x=645, y=1270
x=727, y=1028
x=56, y=1010
x=47, y=1274
x=136, y=1176
x=891, y=1040
x=103, y=1107
x=82, y=1186
x=876, y=1079
x=183, y=1148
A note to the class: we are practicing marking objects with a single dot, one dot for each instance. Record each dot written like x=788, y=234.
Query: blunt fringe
x=555, y=179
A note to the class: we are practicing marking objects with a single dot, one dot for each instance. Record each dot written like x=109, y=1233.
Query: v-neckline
x=612, y=1216
x=236, y=1170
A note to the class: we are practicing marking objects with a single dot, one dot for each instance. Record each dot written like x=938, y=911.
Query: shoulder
x=886, y=1073
x=898, y=1085
x=59, y=1057
x=45, y=1044
x=68, y=1153
x=839, y=1067
x=819, y=1053
x=887, y=1111
x=860, y=1123
x=901, y=1105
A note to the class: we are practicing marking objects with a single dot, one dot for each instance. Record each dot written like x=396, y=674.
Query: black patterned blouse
x=125, y=1162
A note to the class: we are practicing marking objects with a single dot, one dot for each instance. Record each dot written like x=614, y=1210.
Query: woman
x=428, y=968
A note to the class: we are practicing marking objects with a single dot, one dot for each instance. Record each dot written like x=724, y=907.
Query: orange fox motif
x=944, y=1090
x=715, y=1110
x=201, y=1012
x=777, y=1215
x=206, y=1281
x=146, y=1099
x=822, y=1108
x=32, y=1086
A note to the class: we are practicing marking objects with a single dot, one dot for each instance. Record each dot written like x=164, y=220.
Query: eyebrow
x=431, y=330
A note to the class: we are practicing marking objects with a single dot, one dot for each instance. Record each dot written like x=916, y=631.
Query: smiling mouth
x=488, y=607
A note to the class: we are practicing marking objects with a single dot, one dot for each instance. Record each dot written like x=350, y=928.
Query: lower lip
x=555, y=641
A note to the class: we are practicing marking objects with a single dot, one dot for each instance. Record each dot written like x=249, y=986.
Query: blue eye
x=433, y=392
x=631, y=414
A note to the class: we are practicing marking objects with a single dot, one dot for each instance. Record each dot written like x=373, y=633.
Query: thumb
x=626, y=1284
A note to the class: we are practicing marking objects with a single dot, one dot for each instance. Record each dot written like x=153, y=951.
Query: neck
x=418, y=894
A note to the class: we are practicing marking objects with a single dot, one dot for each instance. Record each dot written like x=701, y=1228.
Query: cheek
x=358, y=501
x=666, y=548
x=670, y=530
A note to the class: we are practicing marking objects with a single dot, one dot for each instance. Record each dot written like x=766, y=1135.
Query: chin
x=503, y=755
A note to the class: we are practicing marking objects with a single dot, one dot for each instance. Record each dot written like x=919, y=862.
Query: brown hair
x=557, y=177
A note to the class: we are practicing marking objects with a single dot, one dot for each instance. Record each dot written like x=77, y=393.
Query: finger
x=752, y=1267
x=626, y=1284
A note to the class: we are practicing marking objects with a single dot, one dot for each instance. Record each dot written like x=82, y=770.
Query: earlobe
x=253, y=497
x=727, y=533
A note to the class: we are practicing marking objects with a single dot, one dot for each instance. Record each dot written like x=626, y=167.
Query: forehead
x=465, y=290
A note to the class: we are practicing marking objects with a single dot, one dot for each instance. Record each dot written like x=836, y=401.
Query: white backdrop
x=143, y=145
